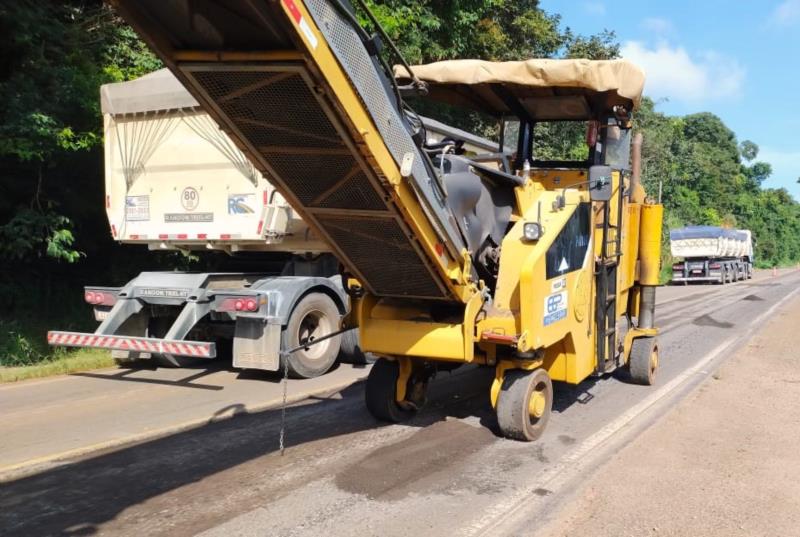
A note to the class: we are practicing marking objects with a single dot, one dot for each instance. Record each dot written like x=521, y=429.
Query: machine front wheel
x=524, y=404
x=381, y=391
x=643, y=361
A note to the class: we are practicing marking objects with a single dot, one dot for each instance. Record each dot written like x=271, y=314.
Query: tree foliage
x=708, y=178
x=56, y=55
x=53, y=230
x=432, y=30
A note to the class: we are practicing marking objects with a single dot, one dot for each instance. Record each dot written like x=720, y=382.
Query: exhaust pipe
x=636, y=162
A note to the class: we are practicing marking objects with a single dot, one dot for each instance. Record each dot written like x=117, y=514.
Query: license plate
x=163, y=293
x=100, y=315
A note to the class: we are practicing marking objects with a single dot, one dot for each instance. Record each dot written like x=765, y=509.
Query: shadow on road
x=80, y=498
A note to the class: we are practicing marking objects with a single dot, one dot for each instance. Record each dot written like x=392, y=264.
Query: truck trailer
x=175, y=181
x=711, y=254
x=543, y=270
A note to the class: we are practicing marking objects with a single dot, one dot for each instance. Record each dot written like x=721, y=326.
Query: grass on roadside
x=69, y=362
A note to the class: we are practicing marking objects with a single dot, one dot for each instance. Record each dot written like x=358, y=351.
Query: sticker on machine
x=137, y=208
x=558, y=285
x=555, y=307
x=241, y=203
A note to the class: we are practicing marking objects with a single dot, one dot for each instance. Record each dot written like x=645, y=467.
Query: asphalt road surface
x=444, y=473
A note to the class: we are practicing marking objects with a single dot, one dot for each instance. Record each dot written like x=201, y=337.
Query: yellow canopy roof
x=545, y=89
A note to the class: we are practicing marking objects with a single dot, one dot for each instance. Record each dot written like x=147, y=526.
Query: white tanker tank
x=711, y=254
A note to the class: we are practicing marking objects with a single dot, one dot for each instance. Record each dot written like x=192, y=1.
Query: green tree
x=56, y=55
x=748, y=150
x=705, y=182
x=432, y=30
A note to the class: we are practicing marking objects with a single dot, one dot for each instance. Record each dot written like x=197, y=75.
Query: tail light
x=678, y=266
x=715, y=266
x=99, y=298
x=239, y=304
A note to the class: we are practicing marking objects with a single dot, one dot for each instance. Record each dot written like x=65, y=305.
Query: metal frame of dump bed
x=169, y=316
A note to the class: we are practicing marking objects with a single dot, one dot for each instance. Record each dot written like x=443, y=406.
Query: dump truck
x=543, y=270
x=175, y=181
x=711, y=254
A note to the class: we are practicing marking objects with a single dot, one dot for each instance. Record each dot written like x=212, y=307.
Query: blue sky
x=739, y=59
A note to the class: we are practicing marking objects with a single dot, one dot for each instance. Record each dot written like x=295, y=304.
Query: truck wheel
x=314, y=316
x=524, y=404
x=381, y=391
x=350, y=351
x=643, y=361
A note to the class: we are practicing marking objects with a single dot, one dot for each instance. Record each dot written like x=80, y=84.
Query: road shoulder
x=724, y=462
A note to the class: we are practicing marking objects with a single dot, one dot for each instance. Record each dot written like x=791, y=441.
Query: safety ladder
x=606, y=283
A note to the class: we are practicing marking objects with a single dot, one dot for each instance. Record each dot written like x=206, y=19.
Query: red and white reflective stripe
x=295, y=13
x=126, y=343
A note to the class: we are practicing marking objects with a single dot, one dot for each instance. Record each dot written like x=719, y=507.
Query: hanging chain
x=285, y=357
x=283, y=404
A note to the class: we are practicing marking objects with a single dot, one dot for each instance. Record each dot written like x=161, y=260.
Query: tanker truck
x=711, y=254
x=174, y=181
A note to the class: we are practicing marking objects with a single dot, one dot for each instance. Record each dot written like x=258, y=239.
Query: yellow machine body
x=403, y=261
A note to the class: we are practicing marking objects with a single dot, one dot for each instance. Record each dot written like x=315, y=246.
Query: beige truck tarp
x=547, y=89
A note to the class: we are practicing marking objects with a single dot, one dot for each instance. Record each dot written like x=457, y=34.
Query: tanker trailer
x=711, y=254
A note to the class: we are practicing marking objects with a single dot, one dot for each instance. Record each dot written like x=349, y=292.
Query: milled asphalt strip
x=19, y=470
x=32, y=466
x=512, y=511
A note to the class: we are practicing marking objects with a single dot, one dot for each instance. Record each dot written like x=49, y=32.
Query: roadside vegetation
x=58, y=363
x=54, y=237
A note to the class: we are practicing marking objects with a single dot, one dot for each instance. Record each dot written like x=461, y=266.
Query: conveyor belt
x=301, y=141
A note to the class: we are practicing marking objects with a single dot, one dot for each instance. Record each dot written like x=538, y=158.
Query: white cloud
x=657, y=25
x=594, y=8
x=786, y=13
x=675, y=74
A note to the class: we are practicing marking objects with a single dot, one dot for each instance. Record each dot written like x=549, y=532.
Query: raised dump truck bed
x=174, y=179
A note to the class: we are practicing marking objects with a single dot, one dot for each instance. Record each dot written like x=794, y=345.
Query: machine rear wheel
x=643, y=362
x=380, y=392
x=313, y=317
x=524, y=404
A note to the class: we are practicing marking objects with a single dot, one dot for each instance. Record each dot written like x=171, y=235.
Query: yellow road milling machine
x=543, y=270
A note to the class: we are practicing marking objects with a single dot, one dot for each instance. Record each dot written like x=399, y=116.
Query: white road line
x=574, y=462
